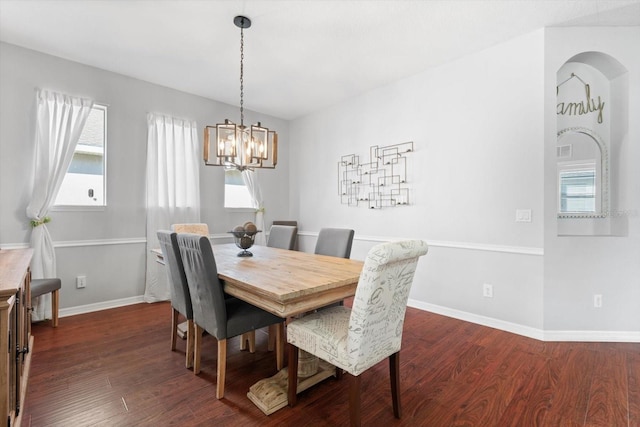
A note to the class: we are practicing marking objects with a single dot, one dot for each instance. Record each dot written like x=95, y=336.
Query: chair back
x=178, y=287
x=335, y=242
x=380, y=303
x=282, y=236
x=291, y=222
x=195, y=228
x=207, y=292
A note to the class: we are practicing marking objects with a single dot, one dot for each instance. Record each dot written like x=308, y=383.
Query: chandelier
x=238, y=146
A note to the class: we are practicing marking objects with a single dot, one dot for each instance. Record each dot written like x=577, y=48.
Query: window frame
x=103, y=206
x=246, y=208
x=573, y=168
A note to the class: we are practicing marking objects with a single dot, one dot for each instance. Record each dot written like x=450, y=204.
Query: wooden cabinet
x=15, y=332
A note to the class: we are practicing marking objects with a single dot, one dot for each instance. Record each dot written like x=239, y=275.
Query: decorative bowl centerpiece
x=244, y=236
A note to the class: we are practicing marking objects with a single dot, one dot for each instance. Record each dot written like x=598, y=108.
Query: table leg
x=307, y=364
x=270, y=394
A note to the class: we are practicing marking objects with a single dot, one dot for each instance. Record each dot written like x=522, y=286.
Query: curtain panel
x=60, y=119
x=253, y=185
x=173, y=188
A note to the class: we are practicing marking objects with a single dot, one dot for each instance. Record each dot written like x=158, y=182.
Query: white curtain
x=250, y=179
x=59, y=122
x=173, y=188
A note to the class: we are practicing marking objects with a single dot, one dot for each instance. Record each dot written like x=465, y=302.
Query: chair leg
x=251, y=335
x=250, y=339
x=55, y=303
x=272, y=338
x=174, y=328
x=222, y=367
x=394, y=373
x=280, y=341
x=243, y=342
x=355, y=412
x=197, y=347
x=293, y=375
x=190, y=339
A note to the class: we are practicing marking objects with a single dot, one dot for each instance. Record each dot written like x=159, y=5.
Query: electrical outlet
x=81, y=282
x=487, y=290
x=523, y=215
x=597, y=301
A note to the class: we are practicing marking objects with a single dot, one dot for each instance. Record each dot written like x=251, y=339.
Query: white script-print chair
x=354, y=339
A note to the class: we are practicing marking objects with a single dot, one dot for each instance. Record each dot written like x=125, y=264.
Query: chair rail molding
x=101, y=242
x=522, y=250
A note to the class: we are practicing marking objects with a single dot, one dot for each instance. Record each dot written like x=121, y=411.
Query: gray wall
x=477, y=125
x=577, y=267
x=484, y=128
x=108, y=246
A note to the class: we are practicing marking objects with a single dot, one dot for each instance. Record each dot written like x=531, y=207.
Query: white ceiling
x=300, y=55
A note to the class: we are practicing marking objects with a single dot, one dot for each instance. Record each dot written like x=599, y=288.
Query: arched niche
x=592, y=120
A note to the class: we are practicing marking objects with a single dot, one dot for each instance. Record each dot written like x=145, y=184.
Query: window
x=236, y=193
x=578, y=191
x=85, y=181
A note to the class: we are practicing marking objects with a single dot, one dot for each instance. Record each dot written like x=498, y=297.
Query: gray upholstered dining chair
x=248, y=339
x=179, y=291
x=282, y=236
x=51, y=285
x=221, y=317
x=355, y=339
x=335, y=242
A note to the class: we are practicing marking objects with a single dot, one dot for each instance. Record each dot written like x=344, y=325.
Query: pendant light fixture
x=238, y=146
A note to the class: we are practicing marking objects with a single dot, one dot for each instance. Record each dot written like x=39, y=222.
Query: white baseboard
x=515, y=328
x=593, y=336
x=90, y=308
x=527, y=331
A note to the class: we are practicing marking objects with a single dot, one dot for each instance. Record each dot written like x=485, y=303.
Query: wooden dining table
x=285, y=283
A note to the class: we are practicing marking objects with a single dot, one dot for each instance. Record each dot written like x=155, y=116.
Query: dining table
x=283, y=282
x=286, y=283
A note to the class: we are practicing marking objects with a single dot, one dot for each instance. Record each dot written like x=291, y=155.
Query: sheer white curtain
x=250, y=179
x=173, y=188
x=60, y=119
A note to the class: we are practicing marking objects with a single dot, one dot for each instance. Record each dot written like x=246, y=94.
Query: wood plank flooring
x=114, y=368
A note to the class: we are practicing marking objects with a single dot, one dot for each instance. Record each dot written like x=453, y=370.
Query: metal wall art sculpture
x=382, y=182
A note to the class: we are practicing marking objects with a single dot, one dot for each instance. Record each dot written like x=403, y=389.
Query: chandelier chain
x=241, y=77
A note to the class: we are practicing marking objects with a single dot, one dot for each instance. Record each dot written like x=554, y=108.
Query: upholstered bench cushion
x=44, y=286
x=323, y=334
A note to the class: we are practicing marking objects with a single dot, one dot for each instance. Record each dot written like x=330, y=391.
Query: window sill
x=240, y=209
x=65, y=208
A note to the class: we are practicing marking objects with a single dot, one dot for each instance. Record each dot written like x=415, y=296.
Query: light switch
x=523, y=215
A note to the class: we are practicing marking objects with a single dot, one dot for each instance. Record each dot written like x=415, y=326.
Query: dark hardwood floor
x=114, y=368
